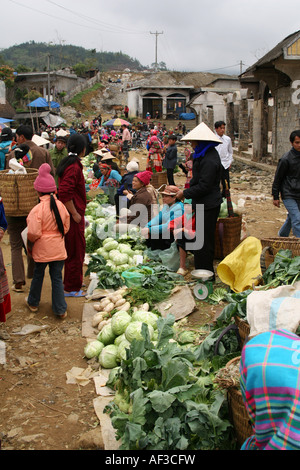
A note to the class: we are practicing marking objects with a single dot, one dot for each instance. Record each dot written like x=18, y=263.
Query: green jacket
x=57, y=156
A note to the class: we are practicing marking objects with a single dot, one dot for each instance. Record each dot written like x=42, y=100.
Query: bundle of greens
x=156, y=285
x=162, y=401
x=285, y=270
x=107, y=278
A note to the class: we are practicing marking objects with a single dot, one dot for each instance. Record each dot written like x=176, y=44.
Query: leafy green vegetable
x=159, y=405
x=119, y=322
x=106, y=335
x=109, y=357
x=93, y=349
x=218, y=295
x=284, y=270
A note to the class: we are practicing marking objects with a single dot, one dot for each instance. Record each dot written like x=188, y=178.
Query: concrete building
x=6, y=110
x=274, y=84
x=210, y=103
x=61, y=81
x=162, y=102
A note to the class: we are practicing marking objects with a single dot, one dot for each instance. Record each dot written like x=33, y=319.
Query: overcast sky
x=197, y=35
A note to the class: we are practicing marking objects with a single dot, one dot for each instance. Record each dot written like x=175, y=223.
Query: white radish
x=120, y=302
x=97, y=318
x=124, y=307
x=109, y=307
x=104, y=302
x=102, y=324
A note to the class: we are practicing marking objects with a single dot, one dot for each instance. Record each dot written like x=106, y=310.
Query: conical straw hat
x=39, y=141
x=61, y=133
x=108, y=156
x=202, y=132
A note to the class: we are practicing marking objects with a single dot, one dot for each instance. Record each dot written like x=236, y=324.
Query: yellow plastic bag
x=240, y=269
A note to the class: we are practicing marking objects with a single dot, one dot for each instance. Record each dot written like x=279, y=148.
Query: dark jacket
x=205, y=183
x=287, y=177
x=170, y=159
x=126, y=182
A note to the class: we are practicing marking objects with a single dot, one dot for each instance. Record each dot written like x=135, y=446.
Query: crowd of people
x=57, y=154
x=187, y=218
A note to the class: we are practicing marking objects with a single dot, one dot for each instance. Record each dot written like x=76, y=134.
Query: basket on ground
x=244, y=329
x=227, y=235
x=238, y=412
x=271, y=246
x=158, y=179
x=17, y=192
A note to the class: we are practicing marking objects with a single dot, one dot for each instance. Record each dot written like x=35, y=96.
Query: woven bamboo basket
x=244, y=329
x=18, y=193
x=158, y=179
x=114, y=147
x=238, y=412
x=227, y=235
x=271, y=246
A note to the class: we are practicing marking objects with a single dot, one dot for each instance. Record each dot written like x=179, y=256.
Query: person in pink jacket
x=47, y=224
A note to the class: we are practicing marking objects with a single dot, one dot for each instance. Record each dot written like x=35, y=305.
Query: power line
x=114, y=28
x=222, y=68
x=68, y=21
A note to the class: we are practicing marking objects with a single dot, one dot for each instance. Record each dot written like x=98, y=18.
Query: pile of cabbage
x=118, y=255
x=117, y=335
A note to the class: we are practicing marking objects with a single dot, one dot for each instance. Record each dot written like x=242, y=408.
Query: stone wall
x=286, y=120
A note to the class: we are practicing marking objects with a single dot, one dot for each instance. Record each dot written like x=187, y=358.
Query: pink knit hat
x=45, y=183
x=144, y=177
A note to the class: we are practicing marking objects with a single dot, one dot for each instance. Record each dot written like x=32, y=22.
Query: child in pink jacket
x=47, y=224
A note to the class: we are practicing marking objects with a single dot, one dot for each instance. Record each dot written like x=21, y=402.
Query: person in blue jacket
x=157, y=233
x=109, y=177
x=6, y=141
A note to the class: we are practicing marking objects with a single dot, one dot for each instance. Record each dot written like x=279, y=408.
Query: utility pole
x=241, y=67
x=49, y=98
x=156, y=36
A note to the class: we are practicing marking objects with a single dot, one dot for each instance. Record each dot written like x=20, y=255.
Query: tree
x=7, y=75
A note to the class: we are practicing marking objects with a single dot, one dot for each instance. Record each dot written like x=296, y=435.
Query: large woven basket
x=271, y=246
x=18, y=193
x=244, y=329
x=227, y=235
x=158, y=179
x=238, y=412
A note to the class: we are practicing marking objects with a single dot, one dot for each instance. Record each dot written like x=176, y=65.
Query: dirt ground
x=39, y=410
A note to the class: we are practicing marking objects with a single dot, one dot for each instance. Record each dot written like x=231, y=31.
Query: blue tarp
x=187, y=116
x=42, y=103
x=3, y=120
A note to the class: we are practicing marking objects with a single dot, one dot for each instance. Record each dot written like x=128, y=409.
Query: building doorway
x=152, y=104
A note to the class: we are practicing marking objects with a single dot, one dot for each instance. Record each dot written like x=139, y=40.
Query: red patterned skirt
x=5, y=301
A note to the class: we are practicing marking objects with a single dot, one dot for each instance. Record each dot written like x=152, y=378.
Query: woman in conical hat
x=205, y=192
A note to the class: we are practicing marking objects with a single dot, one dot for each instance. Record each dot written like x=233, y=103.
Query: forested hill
x=33, y=57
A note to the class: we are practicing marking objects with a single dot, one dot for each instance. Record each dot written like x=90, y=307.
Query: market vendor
x=204, y=191
x=157, y=233
x=270, y=389
x=109, y=177
x=139, y=215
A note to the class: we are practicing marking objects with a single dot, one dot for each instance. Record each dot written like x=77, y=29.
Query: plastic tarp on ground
x=53, y=120
x=187, y=116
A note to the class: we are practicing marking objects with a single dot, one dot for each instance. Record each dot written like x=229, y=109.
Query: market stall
x=166, y=378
